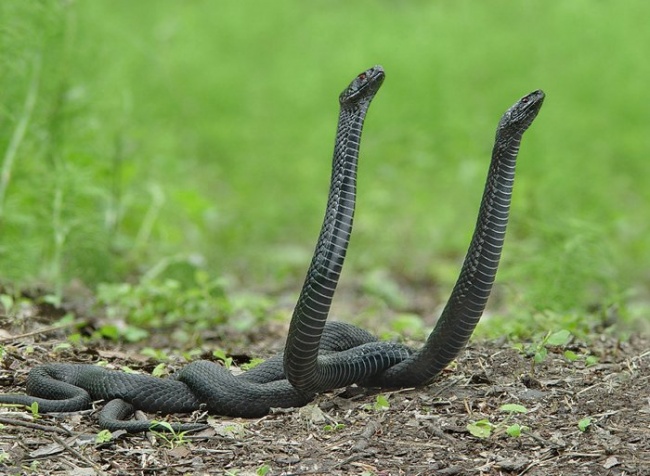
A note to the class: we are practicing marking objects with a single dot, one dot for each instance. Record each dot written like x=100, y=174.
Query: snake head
x=521, y=114
x=364, y=87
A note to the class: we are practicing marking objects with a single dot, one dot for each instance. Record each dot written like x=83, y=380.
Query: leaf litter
x=568, y=417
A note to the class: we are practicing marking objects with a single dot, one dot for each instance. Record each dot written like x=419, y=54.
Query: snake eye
x=525, y=100
x=362, y=76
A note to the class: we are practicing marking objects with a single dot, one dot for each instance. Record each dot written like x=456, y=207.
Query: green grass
x=137, y=134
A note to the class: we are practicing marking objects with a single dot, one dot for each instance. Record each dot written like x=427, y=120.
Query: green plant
x=172, y=437
x=263, y=470
x=163, y=304
x=484, y=428
x=539, y=350
x=333, y=427
x=252, y=364
x=584, y=424
x=159, y=370
x=481, y=428
x=381, y=403
x=34, y=409
x=221, y=355
x=104, y=436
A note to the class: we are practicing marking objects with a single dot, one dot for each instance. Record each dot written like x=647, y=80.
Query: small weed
x=103, y=436
x=161, y=304
x=513, y=408
x=252, y=364
x=332, y=428
x=159, y=370
x=584, y=424
x=381, y=404
x=481, y=428
x=539, y=350
x=484, y=428
x=515, y=430
x=263, y=470
x=34, y=409
x=221, y=355
x=170, y=436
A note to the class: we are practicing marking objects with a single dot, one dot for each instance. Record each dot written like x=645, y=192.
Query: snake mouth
x=364, y=87
x=523, y=112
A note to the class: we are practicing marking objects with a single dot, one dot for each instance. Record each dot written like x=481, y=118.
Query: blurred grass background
x=139, y=133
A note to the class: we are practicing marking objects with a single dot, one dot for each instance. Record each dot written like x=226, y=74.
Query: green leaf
x=103, y=436
x=480, y=429
x=263, y=470
x=540, y=355
x=252, y=364
x=159, y=370
x=381, y=403
x=559, y=338
x=584, y=424
x=514, y=430
x=109, y=332
x=570, y=355
x=513, y=408
x=338, y=426
x=591, y=360
x=221, y=355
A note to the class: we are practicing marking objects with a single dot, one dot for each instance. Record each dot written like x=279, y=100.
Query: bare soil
x=422, y=431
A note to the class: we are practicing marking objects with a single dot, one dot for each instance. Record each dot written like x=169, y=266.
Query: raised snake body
x=349, y=352
x=319, y=356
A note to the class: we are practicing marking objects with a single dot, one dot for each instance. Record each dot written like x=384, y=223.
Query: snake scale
x=319, y=356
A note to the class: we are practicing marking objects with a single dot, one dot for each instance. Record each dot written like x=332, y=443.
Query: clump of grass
x=162, y=304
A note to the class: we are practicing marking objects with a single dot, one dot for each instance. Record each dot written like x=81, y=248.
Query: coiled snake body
x=319, y=356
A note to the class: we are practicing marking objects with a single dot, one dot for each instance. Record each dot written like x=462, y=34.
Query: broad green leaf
x=513, y=408
x=559, y=338
x=480, y=429
x=584, y=423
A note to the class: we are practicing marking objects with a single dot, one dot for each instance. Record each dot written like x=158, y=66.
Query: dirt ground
x=418, y=432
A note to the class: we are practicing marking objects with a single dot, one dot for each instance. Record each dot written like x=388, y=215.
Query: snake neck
x=472, y=289
x=311, y=311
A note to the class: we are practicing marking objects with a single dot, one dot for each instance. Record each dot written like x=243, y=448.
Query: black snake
x=307, y=371
x=319, y=356
x=346, y=350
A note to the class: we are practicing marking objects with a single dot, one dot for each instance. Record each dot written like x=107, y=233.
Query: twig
x=34, y=426
x=77, y=454
x=43, y=330
x=364, y=438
